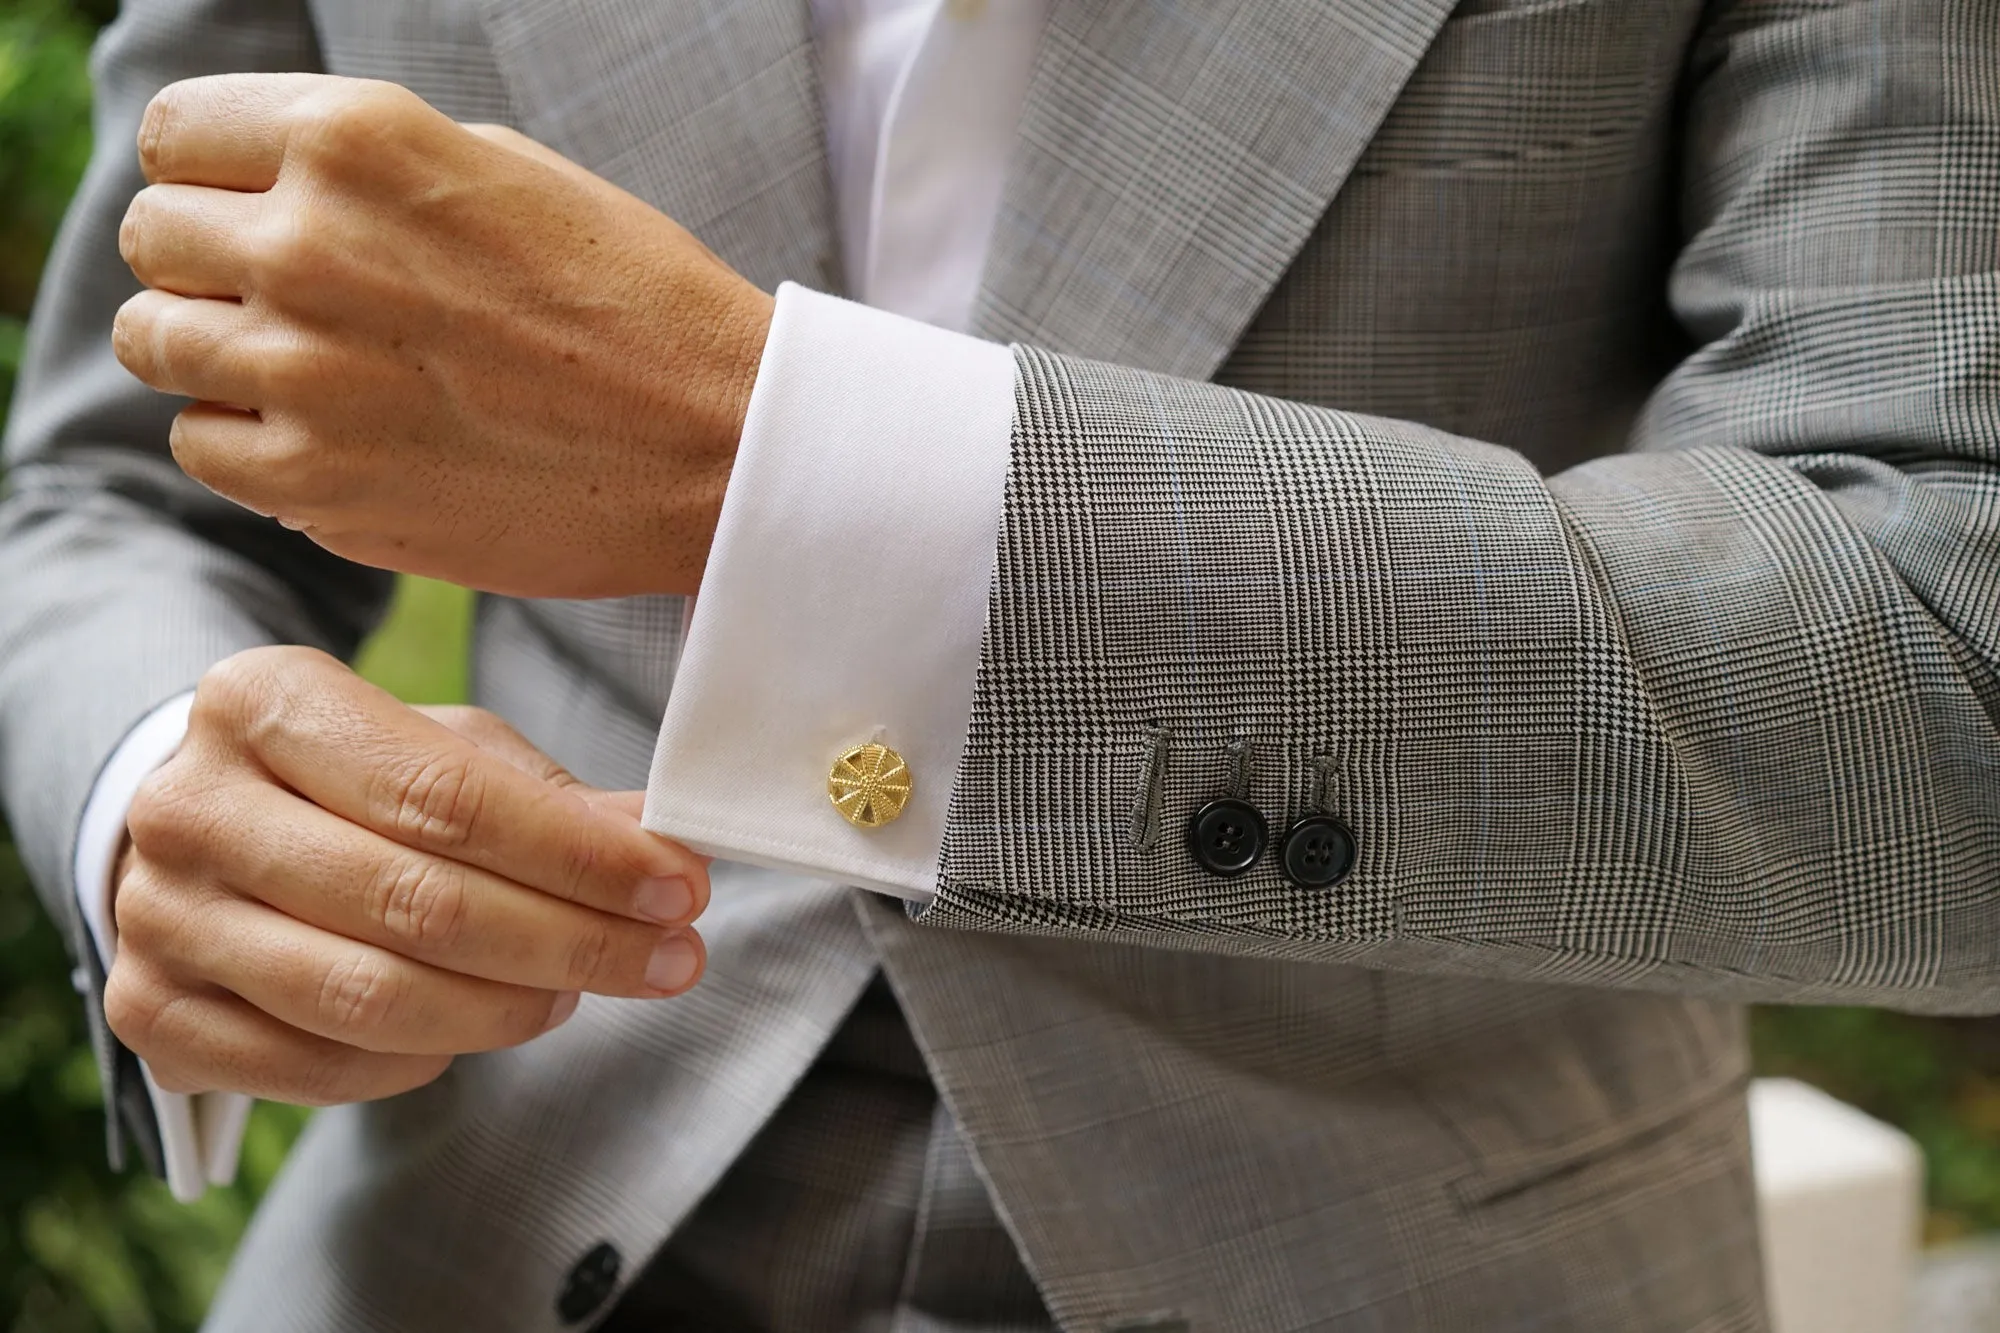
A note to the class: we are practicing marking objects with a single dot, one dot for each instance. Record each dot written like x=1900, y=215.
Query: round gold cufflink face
x=869, y=785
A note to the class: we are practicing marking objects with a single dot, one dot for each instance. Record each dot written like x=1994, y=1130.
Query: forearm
x=1606, y=729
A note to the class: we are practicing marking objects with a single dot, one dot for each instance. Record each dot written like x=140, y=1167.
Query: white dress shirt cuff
x=844, y=597
x=202, y=1135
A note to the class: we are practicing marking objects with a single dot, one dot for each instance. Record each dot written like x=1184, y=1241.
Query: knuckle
x=604, y=855
x=126, y=1010
x=348, y=122
x=137, y=1008
x=525, y=1022
x=422, y=904
x=283, y=470
x=139, y=912
x=290, y=454
x=160, y=820
x=284, y=247
x=232, y=692
x=595, y=958
x=327, y=1078
x=245, y=694
x=185, y=342
x=132, y=230
x=436, y=800
x=131, y=340
x=358, y=994
x=286, y=372
x=191, y=451
x=588, y=860
x=156, y=131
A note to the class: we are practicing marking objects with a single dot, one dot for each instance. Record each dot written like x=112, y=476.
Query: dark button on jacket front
x=1317, y=853
x=1226, y=836
x=593, y=1280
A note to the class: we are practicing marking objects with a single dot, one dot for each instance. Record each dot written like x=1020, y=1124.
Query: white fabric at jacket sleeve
x=200, y=1135
x=845, y=595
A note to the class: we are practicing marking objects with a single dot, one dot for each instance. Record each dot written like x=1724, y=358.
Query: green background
x=82, y=1249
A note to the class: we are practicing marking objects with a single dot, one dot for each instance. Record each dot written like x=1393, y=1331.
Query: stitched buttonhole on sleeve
x=1325, y=784
x=1240, y=755
x=1152, y=790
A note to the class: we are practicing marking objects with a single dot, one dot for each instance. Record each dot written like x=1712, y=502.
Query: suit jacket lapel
x=707, y=109
x=1174, y=156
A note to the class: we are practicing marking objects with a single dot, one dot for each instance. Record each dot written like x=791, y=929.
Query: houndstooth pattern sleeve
x=1716, y=714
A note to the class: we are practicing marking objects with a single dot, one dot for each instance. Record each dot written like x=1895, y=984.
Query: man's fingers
x=210, y=1040
x=189, y=239
x=237, y=131
x=631, y=804
x=327, y=872
x=225, y=130
x=350, y=747
x=191, y=347
x=353, y=993
x=491, y=733
x=242, y=456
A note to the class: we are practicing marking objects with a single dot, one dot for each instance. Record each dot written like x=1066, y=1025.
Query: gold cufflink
x=869, y=785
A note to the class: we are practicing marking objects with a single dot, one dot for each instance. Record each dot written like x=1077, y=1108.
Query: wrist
x=741, y=332
x=737, y=333
x=715, y=379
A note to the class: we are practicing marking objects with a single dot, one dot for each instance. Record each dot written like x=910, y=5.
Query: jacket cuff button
x=1317, y=852
x=1226, y=836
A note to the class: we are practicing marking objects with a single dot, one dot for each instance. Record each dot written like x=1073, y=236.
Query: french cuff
x=843, y=602
x=201, y=1136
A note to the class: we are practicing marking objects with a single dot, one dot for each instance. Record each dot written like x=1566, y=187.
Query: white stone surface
x=1840, y=1202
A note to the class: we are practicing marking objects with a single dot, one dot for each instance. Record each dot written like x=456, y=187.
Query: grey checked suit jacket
x=1560, y=437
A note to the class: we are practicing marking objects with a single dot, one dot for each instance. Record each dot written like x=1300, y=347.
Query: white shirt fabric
x=201, y=1135
x=846, y=591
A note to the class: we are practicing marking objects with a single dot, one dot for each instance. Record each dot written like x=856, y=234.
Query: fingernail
x=666, y=900
x=673, y=963
x=564, y=1006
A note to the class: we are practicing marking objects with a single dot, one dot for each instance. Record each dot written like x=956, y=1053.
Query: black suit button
x=1226, y=836
x=593, y=1280
x=1318, y=852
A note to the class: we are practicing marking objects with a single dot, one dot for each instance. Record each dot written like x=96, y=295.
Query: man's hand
x=328, y=895
x=433, y=348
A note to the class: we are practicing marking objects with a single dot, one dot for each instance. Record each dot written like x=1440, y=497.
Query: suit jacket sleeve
x=1717, y=714
x=121, y=581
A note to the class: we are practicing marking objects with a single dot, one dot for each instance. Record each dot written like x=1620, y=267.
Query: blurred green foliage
x=44, y=139
x=84, y=1251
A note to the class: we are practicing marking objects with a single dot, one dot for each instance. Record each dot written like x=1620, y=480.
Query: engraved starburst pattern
x=869, y=785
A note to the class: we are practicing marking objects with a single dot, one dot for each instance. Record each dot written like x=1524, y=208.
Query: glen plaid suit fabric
x=1716, y=714
x=1708, y=720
